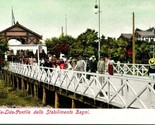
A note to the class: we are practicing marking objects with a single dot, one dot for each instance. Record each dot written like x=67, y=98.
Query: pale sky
x=46, y=17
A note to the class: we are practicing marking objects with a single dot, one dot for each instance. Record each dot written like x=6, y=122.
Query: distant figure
x=88, y=61
x=101, y=68
x=53, y=61
x=93, y=64
x=80, y=66
x=151, y=70
x=107, y=60
x=42, y=61
x=47, y=63
x=31, y=60
x=62, y=64
x=68, y=64
x=73, y=63
x=110, y=67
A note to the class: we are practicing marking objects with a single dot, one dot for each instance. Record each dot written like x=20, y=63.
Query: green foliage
x=9, y=96
x=143, y=51
x=3, y=48
x=114, y=48
x=59, y=45
x=87, y=44
x=3, y=94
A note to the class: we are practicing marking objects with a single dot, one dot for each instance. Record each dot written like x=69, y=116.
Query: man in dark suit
x=151, y=70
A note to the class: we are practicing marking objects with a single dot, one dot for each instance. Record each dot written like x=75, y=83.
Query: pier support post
x=35, y=91
x=73, y=103
x=13, y=84
x=23, y=85
x=31, y=89
x=17, y=83
x=44, y=97
x=27, y=89
x=56, y=100
x=7, y=78
x=11, y=79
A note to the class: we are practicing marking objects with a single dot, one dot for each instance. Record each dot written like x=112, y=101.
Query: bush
x=3, y=94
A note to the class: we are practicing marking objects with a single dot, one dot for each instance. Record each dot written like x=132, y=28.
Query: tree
x=86, y=43
x=3, y=49
x=59, y=45
x=116, y=49
x=143, y=51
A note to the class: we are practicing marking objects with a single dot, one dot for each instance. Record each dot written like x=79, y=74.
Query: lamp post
x=97, y=6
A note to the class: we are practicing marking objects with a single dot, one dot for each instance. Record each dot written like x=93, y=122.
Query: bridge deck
x=124, y=91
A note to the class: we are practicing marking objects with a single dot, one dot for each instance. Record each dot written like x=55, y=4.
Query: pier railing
x=124, y=91
x=131, y=69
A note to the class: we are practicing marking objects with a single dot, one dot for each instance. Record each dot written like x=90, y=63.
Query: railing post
x=122, y=84
x=133, y=69
x=137, y=68
x=125, y=69
x=118, y=65
x=108, y=91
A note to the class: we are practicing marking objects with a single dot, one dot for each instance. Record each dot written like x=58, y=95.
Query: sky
x=47, y=17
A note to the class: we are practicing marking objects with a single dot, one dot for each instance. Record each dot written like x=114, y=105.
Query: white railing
x=122, y=91
x=131, y=69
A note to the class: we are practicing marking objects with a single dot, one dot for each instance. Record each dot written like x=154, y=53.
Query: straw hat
x=152, y=61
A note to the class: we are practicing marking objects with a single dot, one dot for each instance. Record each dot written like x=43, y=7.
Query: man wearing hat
x=151, y=70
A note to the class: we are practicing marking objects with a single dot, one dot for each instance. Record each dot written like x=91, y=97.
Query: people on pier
x=80, y=66
x=62, y=64
x=68, y=64
x=42, y=61
x=107, y=60
x=93, y=64
x=73, y=63
x=110, y=67
x=31, y=60
x=151, y=70
x=87, y=64
x=101, y=68
x=53, y=61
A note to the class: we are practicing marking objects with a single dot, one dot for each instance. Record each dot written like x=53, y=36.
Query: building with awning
x=20, y=38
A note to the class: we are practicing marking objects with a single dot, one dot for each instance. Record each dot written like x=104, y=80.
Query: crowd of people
x=80, y=63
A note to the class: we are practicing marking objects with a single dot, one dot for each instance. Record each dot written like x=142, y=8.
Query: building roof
x=126, y=35
x=146, y=33
x=24, y=28
x=151, y=29
x=137, y=29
